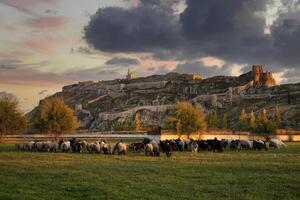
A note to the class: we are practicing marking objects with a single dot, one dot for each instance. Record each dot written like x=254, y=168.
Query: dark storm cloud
x=231, y=30
x=143, y=28
x=286, y=32
x=120, y=61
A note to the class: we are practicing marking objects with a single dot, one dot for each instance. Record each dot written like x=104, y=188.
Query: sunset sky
x=46, y=44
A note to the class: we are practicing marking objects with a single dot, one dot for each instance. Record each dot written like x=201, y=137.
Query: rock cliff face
x=260, y=77
x=101, y=104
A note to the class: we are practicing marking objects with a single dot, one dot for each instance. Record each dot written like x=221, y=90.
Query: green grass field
x=274, y=174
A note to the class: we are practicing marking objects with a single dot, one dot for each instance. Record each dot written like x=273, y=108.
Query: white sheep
x=276, y=143
x=65, y=146
x=120, y=147
x=148, y=149
x=193, y=147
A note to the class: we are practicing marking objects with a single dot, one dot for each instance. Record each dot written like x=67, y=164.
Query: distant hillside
x=101, y=104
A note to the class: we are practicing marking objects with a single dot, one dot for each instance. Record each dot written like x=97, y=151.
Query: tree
x=122, y=126
x=224, y=124
x=137, y=122
x=12, y=121
x=187, y=118
x=213, y=119
x=277, y=117
x=252, y=121
x=262, y=117
x=242, y=123
x=263, y=125
x=54, y=116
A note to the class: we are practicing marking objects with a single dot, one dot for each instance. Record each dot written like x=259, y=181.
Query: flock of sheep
x=73, y=145
x=148, y=146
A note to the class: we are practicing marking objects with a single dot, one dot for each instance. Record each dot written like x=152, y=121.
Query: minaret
x=130, y=75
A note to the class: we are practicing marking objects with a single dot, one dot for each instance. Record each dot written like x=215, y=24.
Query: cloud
x=47, y=22
x=39, y=45
x=121, y=61
x=232, y=31
x=42, y=92
x=83, y=50
x=137, y=29
x=50, y=11
x=19, y=73
x=197, y=67
x=163, y=69
x=26, y=6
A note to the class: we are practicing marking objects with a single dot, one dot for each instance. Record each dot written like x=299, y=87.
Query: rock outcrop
x=259, y=77
x=100, y=104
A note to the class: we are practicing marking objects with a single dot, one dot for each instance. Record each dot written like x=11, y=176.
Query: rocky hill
x=101, y=104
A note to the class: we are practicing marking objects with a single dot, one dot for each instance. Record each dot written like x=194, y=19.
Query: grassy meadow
x=274, y=174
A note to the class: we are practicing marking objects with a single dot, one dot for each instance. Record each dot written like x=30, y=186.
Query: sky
x=46, y=44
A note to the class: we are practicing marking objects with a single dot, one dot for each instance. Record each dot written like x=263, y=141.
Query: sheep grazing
x=65, y=146
x=47, y=146
x=148, y=149
x=93, y=147
x=216, y=145
x=77, y=146
x=166, y=147
x=30, y=145
x=246, y=144
x=259, y=145
x=152, y=149
x=120, y=148
x=137, y=146
x=20, y=146
x=202, y=145
x=106, y=148
x=179, y=145
x=275, y=143
x=39, y=146
x=194, y=147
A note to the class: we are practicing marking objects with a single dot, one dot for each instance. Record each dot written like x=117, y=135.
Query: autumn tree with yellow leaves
x=54, y=116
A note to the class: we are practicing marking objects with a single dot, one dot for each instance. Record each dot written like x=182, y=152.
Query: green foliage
x=12, y=121
x=213, y=119
x=54, y=116
x=224, y=123
x=122, y=126
x=259, y=124
x=277, y=117
x=186, y=118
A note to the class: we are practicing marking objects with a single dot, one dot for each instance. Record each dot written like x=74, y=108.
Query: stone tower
x=261, y=78
x=130, y=75
x=257, y=70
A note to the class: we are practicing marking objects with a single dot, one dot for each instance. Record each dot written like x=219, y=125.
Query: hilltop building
x=130, y=75
x=260, y=77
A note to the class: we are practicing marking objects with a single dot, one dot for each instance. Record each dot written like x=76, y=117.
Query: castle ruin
x=261, y=78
